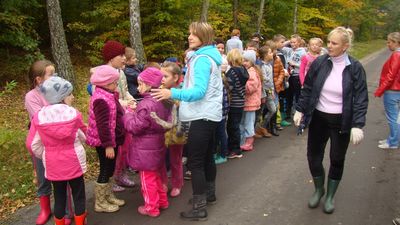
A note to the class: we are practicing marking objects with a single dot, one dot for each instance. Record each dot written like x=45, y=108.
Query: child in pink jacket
x=106, y=133
x=56, y=135
x=252, y=100
x=147, y=153
x=314, y=50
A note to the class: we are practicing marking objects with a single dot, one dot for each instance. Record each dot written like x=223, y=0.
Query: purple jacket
x=147, y=150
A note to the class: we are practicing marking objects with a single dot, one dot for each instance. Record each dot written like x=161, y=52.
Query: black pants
x=200, y=146
x=60, y=196
x=233, y=130
x=292, y=94
x=326, y=126
x=107, y=166
x=283, y=102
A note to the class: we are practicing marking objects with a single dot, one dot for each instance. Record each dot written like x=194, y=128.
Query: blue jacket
x=201, y=93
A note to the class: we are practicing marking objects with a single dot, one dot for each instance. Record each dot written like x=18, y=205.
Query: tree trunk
x=204, y=10
x=295, y=18
x=135, y=33
x=235, y=13
x=260, y=15
x=59, y=47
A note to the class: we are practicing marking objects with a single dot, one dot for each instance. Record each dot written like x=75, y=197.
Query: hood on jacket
x=50, y=117
x=211, y=51
x=242, y=72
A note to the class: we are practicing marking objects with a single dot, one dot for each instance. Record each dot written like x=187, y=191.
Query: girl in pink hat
x=106, y=133
x=147, y=152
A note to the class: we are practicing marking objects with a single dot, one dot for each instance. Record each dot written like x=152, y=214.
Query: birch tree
x=295, y=18
x=235, y=12
x=204, y=10
x=260, y=15
x=59, y=47
x=135, y=32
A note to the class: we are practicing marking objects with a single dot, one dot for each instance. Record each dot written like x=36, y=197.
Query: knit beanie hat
x=112, y=49
x=55, y=89
x=151, y=76
x=104, y=75
x=250, y=55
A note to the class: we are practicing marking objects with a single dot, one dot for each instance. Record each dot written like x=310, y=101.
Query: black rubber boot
x=199, y=209
x=211, y=198
x=319, y=192
x=329, y=206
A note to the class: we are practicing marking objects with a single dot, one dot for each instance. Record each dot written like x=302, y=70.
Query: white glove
x=297, y=118
x=356, y=135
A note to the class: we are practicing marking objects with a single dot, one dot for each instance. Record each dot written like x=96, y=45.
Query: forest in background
x=25, y=36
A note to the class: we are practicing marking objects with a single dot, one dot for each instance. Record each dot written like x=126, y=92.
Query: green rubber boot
x=329, y=206
x=319, y=192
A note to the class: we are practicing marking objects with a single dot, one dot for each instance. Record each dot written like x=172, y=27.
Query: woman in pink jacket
x=252, y=100
x=56, y=135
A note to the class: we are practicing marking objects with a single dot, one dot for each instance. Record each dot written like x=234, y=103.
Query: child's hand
x=110, y=152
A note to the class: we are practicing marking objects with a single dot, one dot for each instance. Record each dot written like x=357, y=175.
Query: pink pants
x=122, y=157
x=154, y=195
x=175, y=159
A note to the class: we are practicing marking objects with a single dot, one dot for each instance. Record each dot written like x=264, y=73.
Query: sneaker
x=396, y=221
x=279, y=127
x=117, y=188
x=175, y=192
x=382, y=141
x=142, y=210
x=220, y=160
x=124, y=181
x=387, y=146
x=187, y=175
x=234, y=155
x=285, y=123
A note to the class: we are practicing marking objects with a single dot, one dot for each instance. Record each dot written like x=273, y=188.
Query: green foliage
x=8, y=88
x=16, y=169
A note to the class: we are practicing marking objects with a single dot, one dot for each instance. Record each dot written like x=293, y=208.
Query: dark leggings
x=60, y=196
x=107, y=166
x=292, y=94
x=200, y=146
x=326, y=126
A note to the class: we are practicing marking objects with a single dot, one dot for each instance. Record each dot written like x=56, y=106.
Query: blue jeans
x=391, y=101
x=247, y=125
x=221, y=138
x=43, y=185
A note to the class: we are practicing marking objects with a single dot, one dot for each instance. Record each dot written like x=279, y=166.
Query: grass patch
x=362, y=49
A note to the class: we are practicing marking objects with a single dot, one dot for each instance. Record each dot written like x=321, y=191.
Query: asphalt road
x=271, y=185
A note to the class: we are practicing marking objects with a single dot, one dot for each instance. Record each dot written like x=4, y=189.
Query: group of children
x=131, y=130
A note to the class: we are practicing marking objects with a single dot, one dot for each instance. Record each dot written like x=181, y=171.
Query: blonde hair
x=172, y=67
x=395, y=37
x=129, y=53
x=345, y=33
x=278, y=37
x=297, y=37
x=38, y=69
x=271, y=44
x=203, y=31
x=234, y=57
x=319, y=40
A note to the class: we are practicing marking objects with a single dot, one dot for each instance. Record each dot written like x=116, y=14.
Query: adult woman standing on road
x=335, y=98
x=389, y=87
x=201, y=105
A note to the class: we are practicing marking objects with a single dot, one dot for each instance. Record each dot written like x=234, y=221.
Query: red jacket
x=390, y=75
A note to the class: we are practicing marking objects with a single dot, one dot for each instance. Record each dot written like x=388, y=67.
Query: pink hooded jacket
x=56, y=136
x=253, y=91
